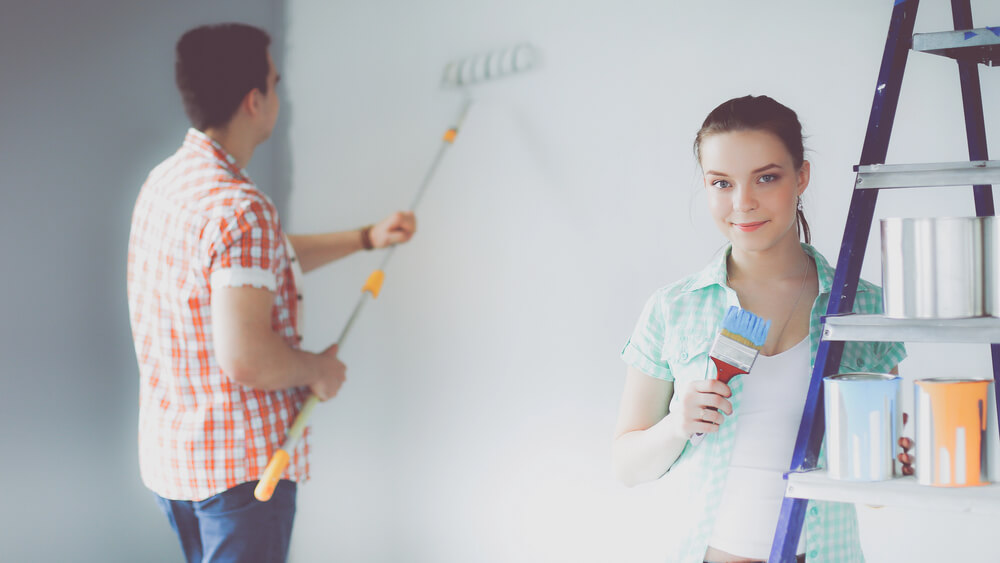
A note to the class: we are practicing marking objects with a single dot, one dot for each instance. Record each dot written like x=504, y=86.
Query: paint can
x=991, y=264
x=932, y=267
x=950, y=442
x=862, y=425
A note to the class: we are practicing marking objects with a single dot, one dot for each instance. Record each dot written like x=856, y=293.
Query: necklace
x=795, y=304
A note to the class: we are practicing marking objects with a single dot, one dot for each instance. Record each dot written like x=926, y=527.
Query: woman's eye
x=768, y=178
x=721, y=184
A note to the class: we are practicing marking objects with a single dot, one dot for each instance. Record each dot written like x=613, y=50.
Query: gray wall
x=87, y=107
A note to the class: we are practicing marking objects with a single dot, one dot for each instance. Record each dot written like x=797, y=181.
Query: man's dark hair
x=216, y=66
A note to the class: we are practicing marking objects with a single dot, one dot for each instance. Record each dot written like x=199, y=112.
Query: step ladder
x=970, y=47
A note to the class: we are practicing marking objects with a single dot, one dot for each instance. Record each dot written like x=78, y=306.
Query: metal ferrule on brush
x=734, y=350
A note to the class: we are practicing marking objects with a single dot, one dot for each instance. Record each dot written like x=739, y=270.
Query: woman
x=751, y=154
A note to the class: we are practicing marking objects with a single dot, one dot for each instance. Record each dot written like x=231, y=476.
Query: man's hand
x=394, y=229
x=332, y=377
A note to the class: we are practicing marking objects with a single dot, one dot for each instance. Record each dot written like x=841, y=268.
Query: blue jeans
x=233, y=526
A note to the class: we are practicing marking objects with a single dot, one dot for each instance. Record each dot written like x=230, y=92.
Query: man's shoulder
x=203, y=201
x=202, y=185
x=228, y=193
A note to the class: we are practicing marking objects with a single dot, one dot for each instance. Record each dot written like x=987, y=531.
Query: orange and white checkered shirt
x=200, y=224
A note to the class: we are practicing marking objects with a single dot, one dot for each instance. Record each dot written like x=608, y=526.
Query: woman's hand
x=703, y=407
x=905, y=458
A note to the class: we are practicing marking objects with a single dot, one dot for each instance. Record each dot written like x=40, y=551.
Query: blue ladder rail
x=856, y=231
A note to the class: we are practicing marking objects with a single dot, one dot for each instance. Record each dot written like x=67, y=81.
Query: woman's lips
x=747, y=227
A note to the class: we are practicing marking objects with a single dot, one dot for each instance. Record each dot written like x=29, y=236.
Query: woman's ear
x=803, y=175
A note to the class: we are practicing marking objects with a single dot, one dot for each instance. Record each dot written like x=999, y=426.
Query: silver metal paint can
x=863, y=421
x=991, y=264
x=950, y=443
x=932, y=267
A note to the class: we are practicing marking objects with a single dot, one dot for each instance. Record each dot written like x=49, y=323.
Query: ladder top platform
x=981, y=45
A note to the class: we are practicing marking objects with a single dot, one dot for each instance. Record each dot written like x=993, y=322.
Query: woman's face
x=752, y=187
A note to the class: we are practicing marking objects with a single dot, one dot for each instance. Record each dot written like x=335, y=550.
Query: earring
x=798, y=203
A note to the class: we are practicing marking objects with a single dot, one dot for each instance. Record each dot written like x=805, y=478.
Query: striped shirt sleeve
x=887, y=355
x=644, y=350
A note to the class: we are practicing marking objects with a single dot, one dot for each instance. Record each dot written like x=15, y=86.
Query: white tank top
x=773, y=395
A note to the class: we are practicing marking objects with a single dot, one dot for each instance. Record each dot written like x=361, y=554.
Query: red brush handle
x=726, y=371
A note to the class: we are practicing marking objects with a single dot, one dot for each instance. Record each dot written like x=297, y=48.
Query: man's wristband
x=366, y=238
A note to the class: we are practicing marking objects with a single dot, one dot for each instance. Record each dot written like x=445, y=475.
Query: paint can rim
x=949, y=380
x=863, y=376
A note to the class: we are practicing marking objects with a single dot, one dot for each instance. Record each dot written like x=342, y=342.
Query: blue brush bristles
x=747, y=325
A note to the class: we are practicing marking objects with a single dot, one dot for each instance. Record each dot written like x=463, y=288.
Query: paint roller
x=489, y=66
x=457, y=74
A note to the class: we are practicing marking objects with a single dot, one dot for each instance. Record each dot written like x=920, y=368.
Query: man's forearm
x=321, y=249
x=247, y=348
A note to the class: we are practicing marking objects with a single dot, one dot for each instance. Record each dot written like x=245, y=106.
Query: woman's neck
x=776, y=263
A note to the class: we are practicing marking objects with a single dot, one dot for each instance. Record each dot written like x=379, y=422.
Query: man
x=214, y=291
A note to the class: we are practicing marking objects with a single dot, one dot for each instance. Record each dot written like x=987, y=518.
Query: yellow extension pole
x=373, y=285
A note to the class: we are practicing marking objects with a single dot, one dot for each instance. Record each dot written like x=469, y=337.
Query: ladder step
x=900, y=492
x=981, y=45
x=878, y=328
x=885, y=176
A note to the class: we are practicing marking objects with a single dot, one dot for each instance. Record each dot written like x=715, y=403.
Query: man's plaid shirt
x=200, y=224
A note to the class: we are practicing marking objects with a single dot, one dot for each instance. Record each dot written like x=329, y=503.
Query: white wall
x=483, y=385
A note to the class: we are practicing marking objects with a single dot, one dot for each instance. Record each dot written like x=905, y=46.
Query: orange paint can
x=950, y=439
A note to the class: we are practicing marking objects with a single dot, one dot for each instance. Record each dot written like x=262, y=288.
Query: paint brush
x=736, y=347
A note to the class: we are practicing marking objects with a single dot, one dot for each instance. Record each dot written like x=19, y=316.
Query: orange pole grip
x=374, y=283
x=272, y=474
x=449, y=135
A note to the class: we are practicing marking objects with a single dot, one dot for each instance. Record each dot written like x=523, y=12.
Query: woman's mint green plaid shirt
x=671, y=342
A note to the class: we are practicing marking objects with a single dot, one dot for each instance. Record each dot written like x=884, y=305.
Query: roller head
x=489, y=66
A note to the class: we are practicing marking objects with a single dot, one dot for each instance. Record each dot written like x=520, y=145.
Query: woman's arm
x=649, y=438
